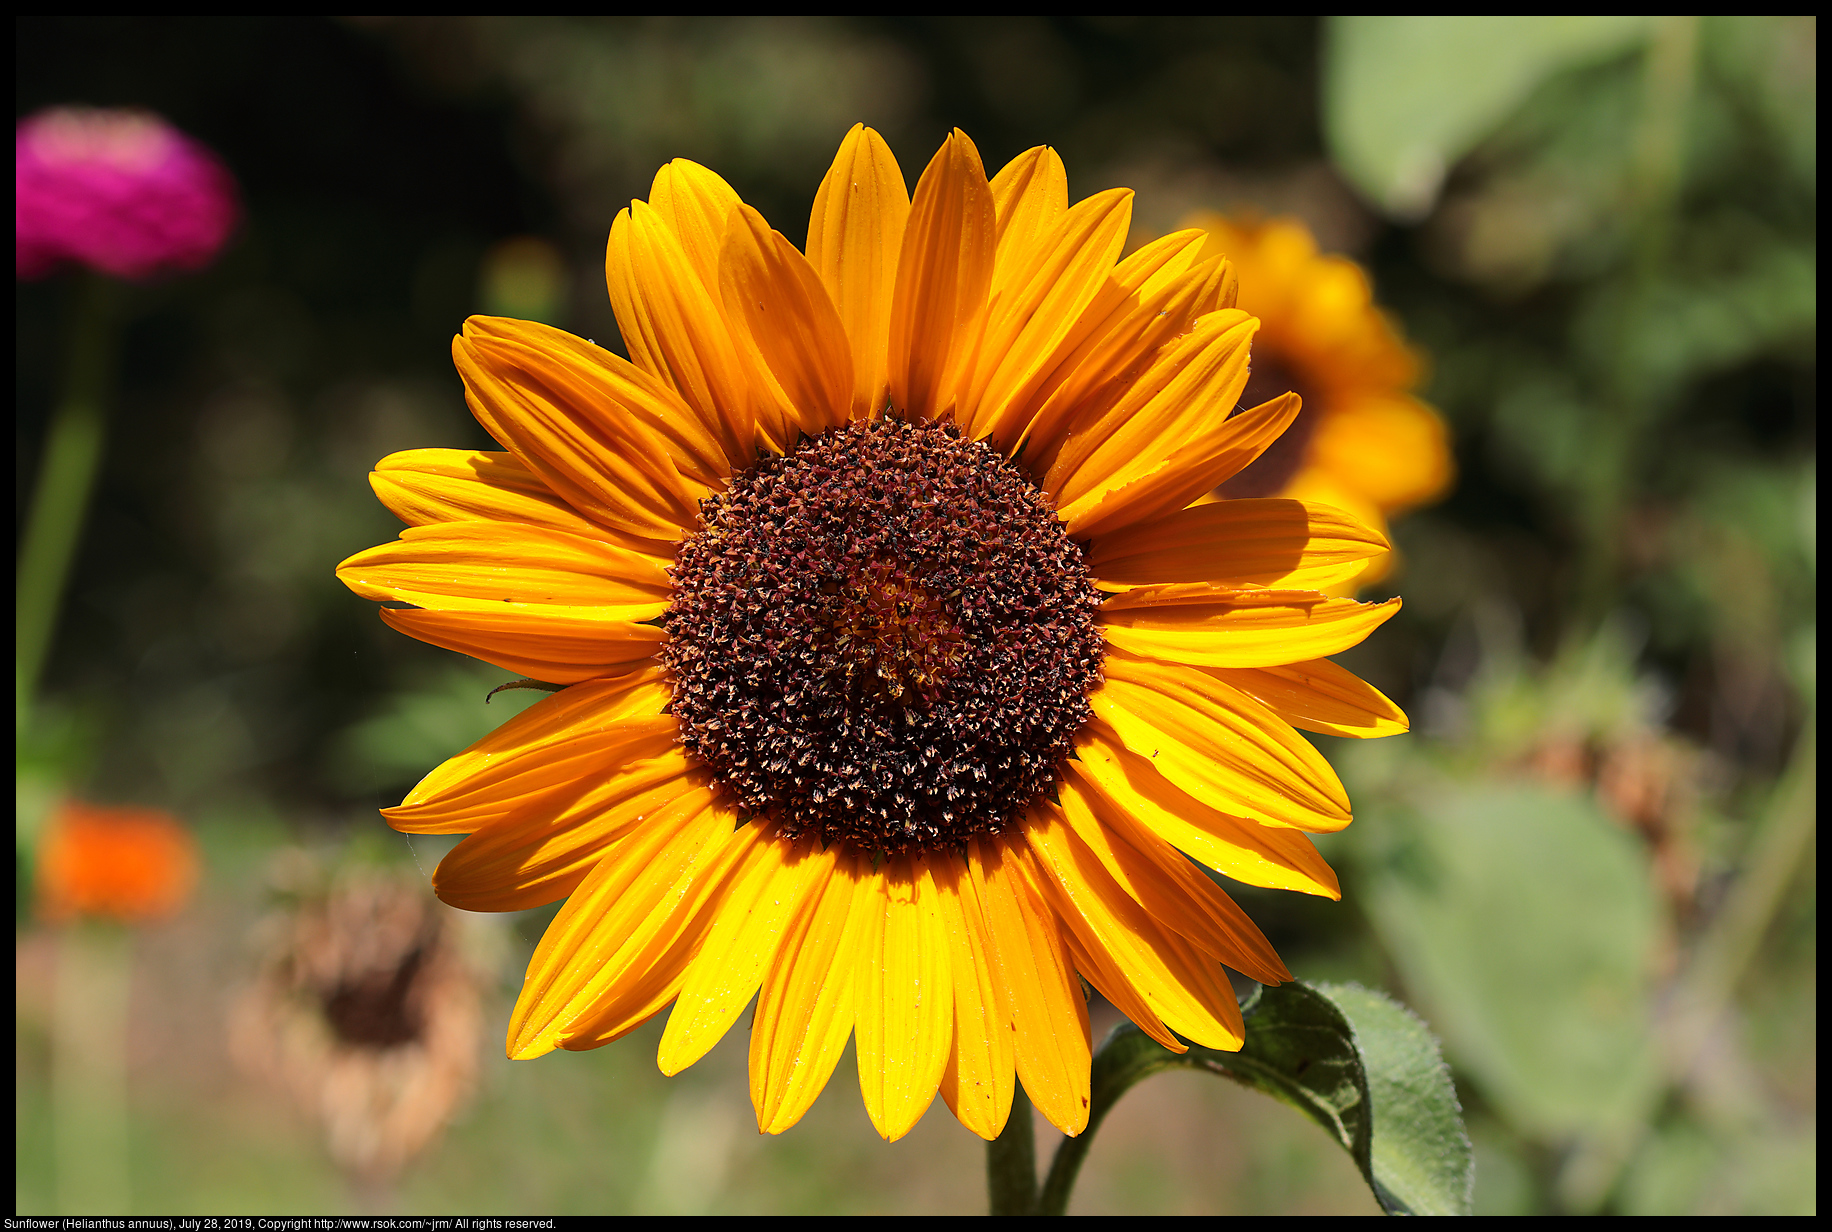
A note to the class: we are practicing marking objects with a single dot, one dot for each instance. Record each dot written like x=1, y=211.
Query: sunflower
x=900, y=669
x=1363, y=443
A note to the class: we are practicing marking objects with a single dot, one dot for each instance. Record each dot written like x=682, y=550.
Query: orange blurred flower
x=1362, y=442
x=128, y=864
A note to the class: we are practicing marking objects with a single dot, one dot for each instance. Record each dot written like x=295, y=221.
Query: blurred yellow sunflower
x=1363, y=443
x=901, y=670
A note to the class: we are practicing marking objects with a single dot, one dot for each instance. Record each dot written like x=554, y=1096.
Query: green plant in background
x=124, y=196
x=1552, y=875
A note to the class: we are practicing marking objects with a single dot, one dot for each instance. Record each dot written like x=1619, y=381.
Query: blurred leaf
x=1353, y=1061
x=1524, y=920
x=1686, y=1170
x=1404, y=97
x=421, y=727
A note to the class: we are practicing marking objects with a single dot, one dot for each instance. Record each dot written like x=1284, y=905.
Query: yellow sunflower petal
x=771, y=291
x=1029, y=194
x=675, y=329
x=1196, y=378
x=1319, y=696
x=979, y=1080
x=620, y=919
x=604, y=393
x=1260, y=542
x=765, y=895
x=479, y=566
x=542, y=849
x=1051, y=1043
x=1103, y=973
x=806, y=1006
x=550, y=644
x=1213, y=625
x=1219, y=745
x=696, y=204
x=1034, y=316
x=607, y=466
x=423, y=486
x=543, y=749
x=943, y=273
x=1146, y=300
x=1122, y=939
x=1275, y=857
x=1167, y=886
x=675, y=932
x=904, y=1024
x=855, y=234
x=1189, y=458
x=1189, y=474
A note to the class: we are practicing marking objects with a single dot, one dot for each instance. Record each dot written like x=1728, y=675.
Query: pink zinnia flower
x=120, y=191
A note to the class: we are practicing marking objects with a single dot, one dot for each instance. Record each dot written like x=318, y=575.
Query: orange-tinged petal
x=1214, y=625
x=605, y=392
x=904, y=1022
x=1259, y=542
x=1122, y=938
x=1031, y=962
x=556, y=645
x=979, y=1080
x=1033, y=318
x=1145, y=301
x=943, y=274
x=1102, y=972
x=624, y=916
x=1141, y=491
x=855, y=235
x=696, y=204
x=772, y=292
x=1167, y=886
x=675, y=330
x=1319, y=696
x=481, y=566
x=765, y=894
x=423, y=486
x=545, y=748
x=607, y=466
x=1029, y=195
x=806, y=1006
x=1185, y=393
x=1275, y=857
x=1219, y=745
x=675, y=942
x=542, y=850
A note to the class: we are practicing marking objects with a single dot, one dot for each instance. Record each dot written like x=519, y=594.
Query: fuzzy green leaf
x=1361, y=1066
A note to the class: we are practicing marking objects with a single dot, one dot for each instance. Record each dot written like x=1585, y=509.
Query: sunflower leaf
x=1360, y=1065
x=1420, y=1156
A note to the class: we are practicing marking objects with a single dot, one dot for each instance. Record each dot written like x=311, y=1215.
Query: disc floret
x=884, y=635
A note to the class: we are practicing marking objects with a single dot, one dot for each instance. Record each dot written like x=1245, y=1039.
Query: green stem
x=1064, y=1168
x=1011, y=1162
x=1115, y=1071
x=89, y=1069
x=66, y=476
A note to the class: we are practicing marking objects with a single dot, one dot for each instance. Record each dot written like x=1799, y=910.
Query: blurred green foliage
x=1602, y=235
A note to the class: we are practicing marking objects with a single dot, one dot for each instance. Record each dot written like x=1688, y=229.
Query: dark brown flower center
x=1268, y=474
x=884, y=635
